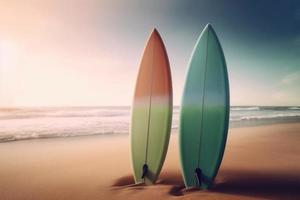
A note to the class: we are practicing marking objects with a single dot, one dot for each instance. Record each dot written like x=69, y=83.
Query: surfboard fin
x=145, y=170
x=198, y=174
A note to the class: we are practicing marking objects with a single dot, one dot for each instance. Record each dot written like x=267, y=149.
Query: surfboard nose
x=208, y=26
x=154, y=30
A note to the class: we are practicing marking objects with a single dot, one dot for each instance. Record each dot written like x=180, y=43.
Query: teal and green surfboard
x=205, y=112
x=151, y=112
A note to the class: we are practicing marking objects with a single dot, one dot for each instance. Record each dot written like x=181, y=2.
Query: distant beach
x=50, y=122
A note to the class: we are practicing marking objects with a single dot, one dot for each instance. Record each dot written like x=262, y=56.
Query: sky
x=87, y=52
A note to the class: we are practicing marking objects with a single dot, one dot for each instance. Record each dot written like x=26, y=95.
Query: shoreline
x=174, y=130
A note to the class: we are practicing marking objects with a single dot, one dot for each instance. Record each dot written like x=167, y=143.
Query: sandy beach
x=259, y=163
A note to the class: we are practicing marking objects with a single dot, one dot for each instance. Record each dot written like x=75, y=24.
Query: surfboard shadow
x=254, y=183
x=173, y=179
x=166, y=178
x=123, y=181
x=263, y=184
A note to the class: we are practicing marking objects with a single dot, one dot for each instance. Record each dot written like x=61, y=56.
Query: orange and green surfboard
x=151, y=112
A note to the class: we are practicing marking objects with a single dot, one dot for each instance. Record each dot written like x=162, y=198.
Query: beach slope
x=259, y=163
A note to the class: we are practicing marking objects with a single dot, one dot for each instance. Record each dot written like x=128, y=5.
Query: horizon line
x=80, y=106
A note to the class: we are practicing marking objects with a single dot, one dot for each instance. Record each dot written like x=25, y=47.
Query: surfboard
x=205, y=112
x=151, y=112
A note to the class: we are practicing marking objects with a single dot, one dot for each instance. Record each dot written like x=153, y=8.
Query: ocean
x=49, y=122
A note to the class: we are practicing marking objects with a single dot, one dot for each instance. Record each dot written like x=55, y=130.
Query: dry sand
x=260, y=163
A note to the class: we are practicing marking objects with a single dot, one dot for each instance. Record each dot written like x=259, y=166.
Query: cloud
x=288, y=90
x=291, y=78
x=285, y=98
